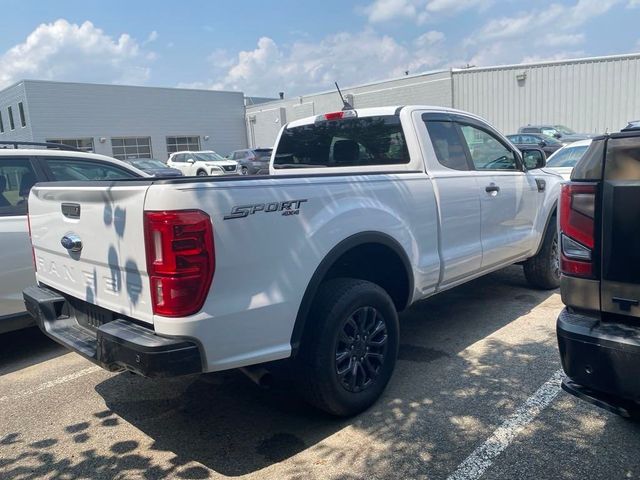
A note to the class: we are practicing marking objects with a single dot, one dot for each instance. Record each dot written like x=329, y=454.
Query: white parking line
x=482, y=457
x=52, y=383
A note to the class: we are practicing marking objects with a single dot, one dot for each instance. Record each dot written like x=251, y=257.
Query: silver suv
x=252, y=161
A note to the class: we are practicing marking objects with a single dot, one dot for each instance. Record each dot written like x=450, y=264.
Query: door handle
x=492, y=188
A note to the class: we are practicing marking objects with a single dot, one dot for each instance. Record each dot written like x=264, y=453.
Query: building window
x=84, y=144
x=23, y=120
x=1, y=124
x=179, y=144
x=11, y=124
x=131, y=147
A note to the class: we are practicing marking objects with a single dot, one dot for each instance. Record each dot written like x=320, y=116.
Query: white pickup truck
x=365, y=212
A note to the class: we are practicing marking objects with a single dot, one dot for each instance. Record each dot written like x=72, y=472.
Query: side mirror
x=533, y=158
x=542, y=143
x=557, y=135
x=190, y=160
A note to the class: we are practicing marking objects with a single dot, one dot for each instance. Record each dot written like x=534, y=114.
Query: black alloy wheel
x=361, y=348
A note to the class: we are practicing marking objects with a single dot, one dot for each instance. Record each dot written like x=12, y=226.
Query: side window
x=16, y=179
x=446, y=141
x=178, y=158
x=68, y=169
x=487, y=152
x=549, y=132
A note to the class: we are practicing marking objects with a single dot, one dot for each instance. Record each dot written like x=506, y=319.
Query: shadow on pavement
x=24, y=348
x=454, y=384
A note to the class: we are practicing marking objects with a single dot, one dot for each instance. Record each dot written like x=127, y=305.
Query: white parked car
x=206, y=162
x=365, y=212
x=562, y=161
x=20, y=169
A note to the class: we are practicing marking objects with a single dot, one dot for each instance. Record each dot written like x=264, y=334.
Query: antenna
x=345, y=105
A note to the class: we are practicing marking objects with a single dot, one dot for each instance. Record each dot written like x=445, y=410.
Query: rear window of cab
x=347, y=142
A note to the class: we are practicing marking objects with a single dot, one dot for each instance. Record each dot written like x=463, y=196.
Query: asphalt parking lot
x=475, y=393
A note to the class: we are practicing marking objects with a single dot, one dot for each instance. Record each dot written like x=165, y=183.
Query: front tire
x=350, y=347
x=201, y=173
x=543, y=270
x=244, y=171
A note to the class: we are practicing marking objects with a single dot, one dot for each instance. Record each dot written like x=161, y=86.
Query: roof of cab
x=379, y=111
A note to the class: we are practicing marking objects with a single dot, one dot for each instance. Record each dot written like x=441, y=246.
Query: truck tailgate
x=620, y=290
x=110, y=269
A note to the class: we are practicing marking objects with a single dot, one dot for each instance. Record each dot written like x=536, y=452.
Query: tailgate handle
x=625, y=303
x=70, y=210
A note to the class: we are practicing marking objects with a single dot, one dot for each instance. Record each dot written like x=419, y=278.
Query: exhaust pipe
x=258, y=375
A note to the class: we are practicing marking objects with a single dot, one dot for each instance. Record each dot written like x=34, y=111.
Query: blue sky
x=297, y=47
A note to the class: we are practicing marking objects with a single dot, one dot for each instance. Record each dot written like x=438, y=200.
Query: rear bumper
x=601, y=360
x=117, y=344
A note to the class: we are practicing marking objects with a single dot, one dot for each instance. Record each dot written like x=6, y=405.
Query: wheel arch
x=350, y=245
x=553, y=213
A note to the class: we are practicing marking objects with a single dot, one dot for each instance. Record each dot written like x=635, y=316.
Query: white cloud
x=418, y=11
x=153, y=36
x=68, y=51
x=349, y=58
x=633, y=4
x=585, y=10
x=429, y=38
x=455, y=6
x=553, y=57
x=562, y=39
x=513, y=39
x=537, y=34
x=554, y=17
x=385, y=10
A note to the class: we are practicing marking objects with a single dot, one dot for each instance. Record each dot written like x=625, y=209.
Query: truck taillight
x=577, y=228
x=180, y=260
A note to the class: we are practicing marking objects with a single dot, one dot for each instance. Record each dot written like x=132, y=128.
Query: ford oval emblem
x=71, y=242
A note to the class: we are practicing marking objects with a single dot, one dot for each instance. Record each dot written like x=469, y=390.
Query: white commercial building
x=589, y=95
x=123, y=121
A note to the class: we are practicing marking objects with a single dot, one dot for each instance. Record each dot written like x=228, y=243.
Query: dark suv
x=562, y=133
x=548, y=144
x=599, y=330
x=252, y=161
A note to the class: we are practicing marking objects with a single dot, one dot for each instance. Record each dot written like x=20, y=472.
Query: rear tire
x=350, y=346
x=543, y=270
